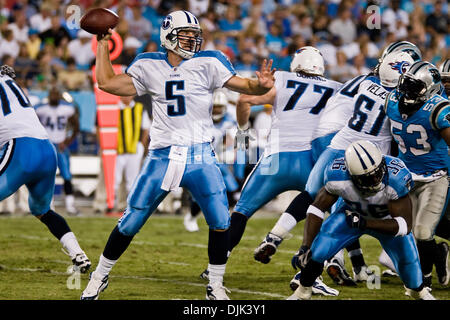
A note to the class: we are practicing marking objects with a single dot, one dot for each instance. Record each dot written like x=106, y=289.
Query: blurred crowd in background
x=39, y=39
x=43, y=48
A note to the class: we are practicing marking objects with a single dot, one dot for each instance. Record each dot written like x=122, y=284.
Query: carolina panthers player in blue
x=420, y=124
x=27, y=157
x=375, y=192
x=181, y=82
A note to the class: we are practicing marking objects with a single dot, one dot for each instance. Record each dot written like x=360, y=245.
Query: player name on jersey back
x=296, y=110
x=369, y=121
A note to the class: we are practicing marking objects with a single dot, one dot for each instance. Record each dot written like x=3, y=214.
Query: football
x=99, y=20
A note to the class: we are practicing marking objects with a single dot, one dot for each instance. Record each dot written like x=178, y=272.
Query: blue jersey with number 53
x=181, y=95
x=421, y=146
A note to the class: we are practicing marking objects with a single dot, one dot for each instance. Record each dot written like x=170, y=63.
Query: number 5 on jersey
x=172, y=90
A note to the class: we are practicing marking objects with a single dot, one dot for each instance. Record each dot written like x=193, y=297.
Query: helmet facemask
x=186, y=45
x=411, y=94
x=372, y=182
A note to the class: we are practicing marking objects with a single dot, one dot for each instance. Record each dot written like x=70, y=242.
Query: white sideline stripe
x=273, y=295
x=149, y=243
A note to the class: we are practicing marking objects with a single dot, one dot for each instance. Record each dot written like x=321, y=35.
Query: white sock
x=284, y=225
x=340, y=256
x=216, y=272
x=70, y=200
x=104, y=266
x=386, y=261
x=70, y=243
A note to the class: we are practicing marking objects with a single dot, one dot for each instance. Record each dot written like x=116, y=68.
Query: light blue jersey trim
x=149, y=55
x=219, y=56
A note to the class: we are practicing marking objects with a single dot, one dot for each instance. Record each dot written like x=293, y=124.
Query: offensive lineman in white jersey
x=27, y=157
x=181, y=83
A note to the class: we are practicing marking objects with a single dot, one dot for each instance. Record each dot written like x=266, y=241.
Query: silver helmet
x=404, y=46
x=417, y=85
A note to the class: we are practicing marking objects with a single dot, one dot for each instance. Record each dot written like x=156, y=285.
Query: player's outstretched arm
x=108, y=81
x=243, y=107
x=259, y=86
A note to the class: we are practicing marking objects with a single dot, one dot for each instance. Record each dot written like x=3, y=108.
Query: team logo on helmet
x=400, y=66
x=166, y=23
x=436, y=75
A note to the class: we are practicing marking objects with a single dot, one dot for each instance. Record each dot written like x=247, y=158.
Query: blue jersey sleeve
x=336, y=171
x=440, y=116
x=399, y=177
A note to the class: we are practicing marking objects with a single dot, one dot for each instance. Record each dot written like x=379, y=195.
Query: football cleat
x=301, y=293
x=205, y=275
x=81, y=263
x=338, y=274
x=389, y=273
x=423, y=294
x=319, y=287
x=267, y=248
x=96, y=285
x=363, y=274
x=216, y=291
x=442, y=270
x=190, y=223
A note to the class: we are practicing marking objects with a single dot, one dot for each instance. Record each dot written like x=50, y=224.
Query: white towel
x=175, y=169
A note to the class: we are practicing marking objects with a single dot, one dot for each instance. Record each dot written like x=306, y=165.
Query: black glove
x=355, y=220
x=242, y=139
x=7, y=70
x=301, y=258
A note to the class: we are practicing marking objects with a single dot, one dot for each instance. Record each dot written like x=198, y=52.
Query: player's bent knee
x=422, y=232
x=132, y=221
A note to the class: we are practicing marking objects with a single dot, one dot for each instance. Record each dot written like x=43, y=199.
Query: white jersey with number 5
x=182, y=95
x=296, y=110
x=17, y=117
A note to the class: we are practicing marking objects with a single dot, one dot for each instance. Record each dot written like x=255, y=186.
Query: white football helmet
x=178, y=21
x=366, y=166
x=220, y=102
x=393, y=66
x=309, y=60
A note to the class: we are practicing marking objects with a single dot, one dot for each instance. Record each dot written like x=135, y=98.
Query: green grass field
x=162, y=263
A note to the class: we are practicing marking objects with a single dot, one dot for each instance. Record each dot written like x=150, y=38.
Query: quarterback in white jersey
x=181, y=82
x=28, y=158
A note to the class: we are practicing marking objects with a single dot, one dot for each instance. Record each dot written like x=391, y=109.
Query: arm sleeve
x=440, y=116
x=222, y=68
x=135, y=71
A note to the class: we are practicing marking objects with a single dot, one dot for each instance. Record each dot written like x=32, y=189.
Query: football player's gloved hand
x=243, y=137
x=301, y=258
x=355, y=220
x=7, y=70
